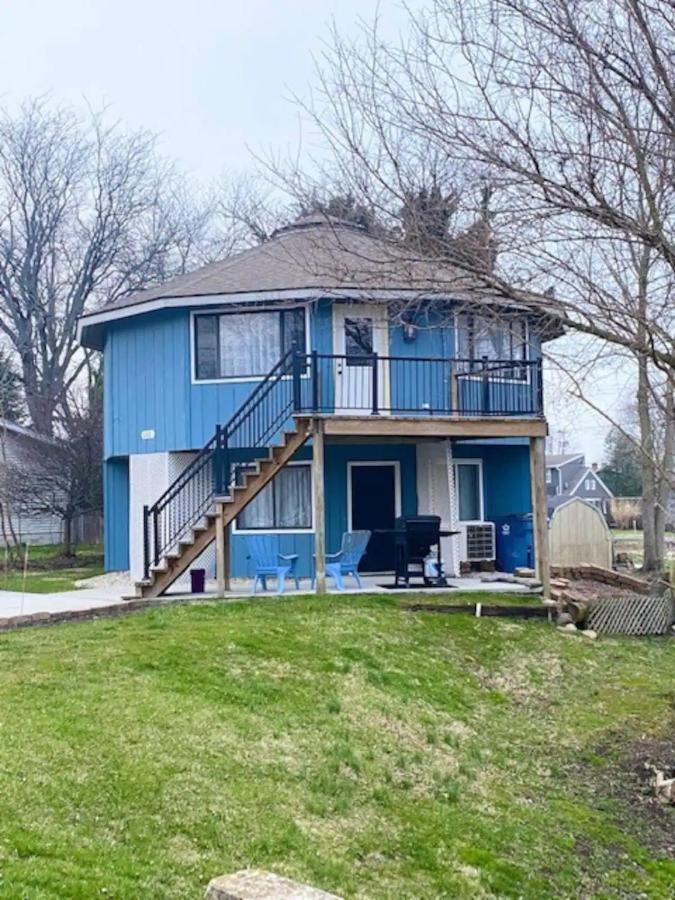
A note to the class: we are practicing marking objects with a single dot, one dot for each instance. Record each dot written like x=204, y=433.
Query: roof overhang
x=91, y=327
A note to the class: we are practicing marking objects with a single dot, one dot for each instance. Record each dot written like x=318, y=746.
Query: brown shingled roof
x=313, y=252
x=318, y=254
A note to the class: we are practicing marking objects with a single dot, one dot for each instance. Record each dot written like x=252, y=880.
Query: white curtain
x=260, y=511
x=293, y=507
x=250, y=343
x=481, y=336
x=285, y=503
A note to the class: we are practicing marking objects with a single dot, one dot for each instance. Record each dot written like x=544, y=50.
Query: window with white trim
x=491, y=338
x=549, y=476
x=469, y=491
x=245, y=344
x=285, y=504
x=589, y=484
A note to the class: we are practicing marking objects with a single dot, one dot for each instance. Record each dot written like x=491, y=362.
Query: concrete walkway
x=16, y=603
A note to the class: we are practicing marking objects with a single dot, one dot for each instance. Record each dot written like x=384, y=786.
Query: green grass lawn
x=370, y=751
x=48, y=571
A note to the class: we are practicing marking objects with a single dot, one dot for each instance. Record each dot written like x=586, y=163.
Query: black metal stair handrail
x=217, y=467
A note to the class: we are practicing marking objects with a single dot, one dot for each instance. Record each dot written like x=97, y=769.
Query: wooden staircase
x=235, y=465
x=189, y=548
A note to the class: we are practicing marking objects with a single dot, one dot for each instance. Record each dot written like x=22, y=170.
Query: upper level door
x=360, y=332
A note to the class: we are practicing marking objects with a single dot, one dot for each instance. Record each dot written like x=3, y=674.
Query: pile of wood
x=593, y=598
x=586, y=571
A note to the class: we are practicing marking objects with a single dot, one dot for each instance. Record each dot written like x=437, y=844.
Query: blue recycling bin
x=515, y=541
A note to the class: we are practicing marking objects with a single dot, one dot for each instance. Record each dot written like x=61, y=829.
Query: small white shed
x=579, y=533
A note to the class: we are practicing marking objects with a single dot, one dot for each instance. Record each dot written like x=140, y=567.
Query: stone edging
x=31, y=620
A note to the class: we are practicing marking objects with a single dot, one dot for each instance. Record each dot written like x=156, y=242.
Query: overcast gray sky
x=210, y=77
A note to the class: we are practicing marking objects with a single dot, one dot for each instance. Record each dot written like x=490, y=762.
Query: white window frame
x=473, y=462
x=300, y=462
x=477, y=375
x=233, y=310
x=549, y=476
x=590, y=484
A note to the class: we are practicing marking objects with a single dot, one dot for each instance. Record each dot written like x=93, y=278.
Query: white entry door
x=360, y=331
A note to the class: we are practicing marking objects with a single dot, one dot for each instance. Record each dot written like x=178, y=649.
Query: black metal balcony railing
x=416, y=386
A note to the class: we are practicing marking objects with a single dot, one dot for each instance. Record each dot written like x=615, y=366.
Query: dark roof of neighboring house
x=562, y=459
x=583, y=472
x=314, y=256
x=21, y=431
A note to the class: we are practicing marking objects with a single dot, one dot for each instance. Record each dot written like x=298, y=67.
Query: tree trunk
x=41, y=410
x=653, y=551
x=665, y=476
x=68, y=536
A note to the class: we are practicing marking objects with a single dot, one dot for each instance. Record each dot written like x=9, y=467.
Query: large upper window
x=284, y=504
x=245, y=344
x=491, y=338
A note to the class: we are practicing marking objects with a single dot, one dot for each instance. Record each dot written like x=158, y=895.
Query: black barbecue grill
x=414, y=536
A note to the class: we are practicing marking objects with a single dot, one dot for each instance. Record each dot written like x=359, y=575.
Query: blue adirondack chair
x=347, y=559
x=263, y=549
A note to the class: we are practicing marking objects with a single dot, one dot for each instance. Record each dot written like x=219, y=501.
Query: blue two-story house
x=322, y=382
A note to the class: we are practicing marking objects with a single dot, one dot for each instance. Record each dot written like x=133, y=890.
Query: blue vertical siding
x=116, y=514
x=335, y=489
x=421, y=388
x=148, y=384
x=506, y=475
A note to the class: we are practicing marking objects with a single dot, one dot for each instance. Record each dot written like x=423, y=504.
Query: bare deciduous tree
x=565, y=108
x=63, y=478
x=87, y=213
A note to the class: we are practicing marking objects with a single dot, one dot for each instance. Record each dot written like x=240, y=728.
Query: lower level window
x=285, y=504
x=469, y=491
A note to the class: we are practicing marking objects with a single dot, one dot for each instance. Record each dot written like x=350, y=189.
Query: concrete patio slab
x=16, y=603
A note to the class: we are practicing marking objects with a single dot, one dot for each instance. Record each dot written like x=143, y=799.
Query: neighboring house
x=567, y=476
x=21, y=450
x=285, y=382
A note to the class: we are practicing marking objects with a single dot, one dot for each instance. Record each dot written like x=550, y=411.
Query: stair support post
x=146, y=543
x=319, y=505
x=539, y=510
x=222, y=551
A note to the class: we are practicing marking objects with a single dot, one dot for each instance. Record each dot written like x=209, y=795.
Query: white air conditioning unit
x=478, y=541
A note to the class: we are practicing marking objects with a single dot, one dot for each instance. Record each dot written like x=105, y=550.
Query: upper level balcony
x=376, y=394
x=394, y=397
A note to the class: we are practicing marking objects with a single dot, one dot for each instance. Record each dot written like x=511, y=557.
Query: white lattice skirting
x=631, y=615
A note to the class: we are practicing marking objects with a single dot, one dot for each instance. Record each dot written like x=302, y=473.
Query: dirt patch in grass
x=635, y=788
x=627, y=783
